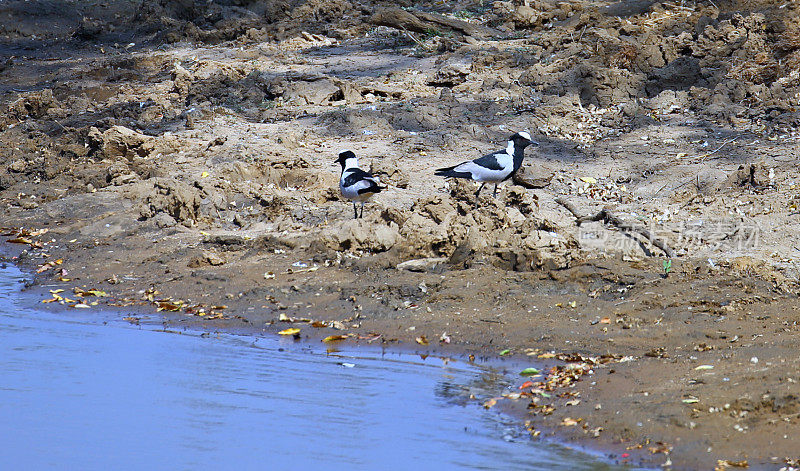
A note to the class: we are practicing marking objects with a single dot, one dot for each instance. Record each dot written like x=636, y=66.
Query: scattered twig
x=424, y=22
x=720, y=147
x=414, y=38
x=675, y=188
x=582, y=31
x=610, y=218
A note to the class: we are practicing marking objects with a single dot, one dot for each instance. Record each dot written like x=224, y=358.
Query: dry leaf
x=725, y=464
x=421, y=340
x=168, y=306
x=290, y=331
x=334, y=338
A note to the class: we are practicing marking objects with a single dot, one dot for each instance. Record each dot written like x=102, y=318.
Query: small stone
x=18, y=166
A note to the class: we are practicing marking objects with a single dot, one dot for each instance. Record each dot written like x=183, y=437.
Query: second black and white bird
x=356, y=184
x=495, y=167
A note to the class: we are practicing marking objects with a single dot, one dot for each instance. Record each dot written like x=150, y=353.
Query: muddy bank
x=180, y=156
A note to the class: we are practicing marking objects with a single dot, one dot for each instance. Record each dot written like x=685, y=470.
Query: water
x=80, y=393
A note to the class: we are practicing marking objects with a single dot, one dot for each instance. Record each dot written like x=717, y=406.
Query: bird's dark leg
x=362, y=210
x=355, y=210
x=478, y=193
x=495, y=190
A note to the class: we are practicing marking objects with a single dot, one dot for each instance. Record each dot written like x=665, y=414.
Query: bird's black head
x=522, y=140
x=344, y=155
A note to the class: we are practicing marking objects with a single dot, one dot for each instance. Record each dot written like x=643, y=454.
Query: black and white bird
x=356, y=184
x=495, y=167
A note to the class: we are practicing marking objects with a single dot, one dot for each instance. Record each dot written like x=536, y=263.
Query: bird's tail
x=451, y=172
x=372, y=189
x=445, y=172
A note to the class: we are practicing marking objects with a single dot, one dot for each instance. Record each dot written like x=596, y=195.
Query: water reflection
x=78, y=394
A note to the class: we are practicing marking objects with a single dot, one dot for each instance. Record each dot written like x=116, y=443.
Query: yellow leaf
x=421, y=340
x=334, y=338
x=291, y=331
x=590, y=180
x=681, y=155
x=56, y=291
x=547, y=355
x=204, y=175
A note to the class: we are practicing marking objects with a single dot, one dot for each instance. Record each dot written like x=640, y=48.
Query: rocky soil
x=179, y=155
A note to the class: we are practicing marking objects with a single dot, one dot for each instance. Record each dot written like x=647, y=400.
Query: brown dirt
x=180, y=154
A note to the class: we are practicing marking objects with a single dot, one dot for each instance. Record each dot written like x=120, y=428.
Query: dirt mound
x=734, y=64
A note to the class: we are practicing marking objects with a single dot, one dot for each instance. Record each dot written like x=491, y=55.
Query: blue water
x=81, y=391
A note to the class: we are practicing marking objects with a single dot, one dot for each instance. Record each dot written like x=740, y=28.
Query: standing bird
x=495, y=167
x=356, y=184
